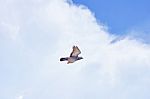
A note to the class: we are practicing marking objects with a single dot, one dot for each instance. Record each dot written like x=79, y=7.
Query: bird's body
x=73, y=56
x=71, y=60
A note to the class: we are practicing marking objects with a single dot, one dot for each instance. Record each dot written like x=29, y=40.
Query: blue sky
x=35, y=34
x=119, y=15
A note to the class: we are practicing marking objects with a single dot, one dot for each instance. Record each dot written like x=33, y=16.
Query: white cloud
x=20, y=97
x=8, y=29
x=47, y=30
x=141, y=31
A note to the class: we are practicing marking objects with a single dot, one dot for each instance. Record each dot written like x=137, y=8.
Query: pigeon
x=73, y=56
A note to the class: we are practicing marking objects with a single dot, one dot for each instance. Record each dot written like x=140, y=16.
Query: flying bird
x=73, y=56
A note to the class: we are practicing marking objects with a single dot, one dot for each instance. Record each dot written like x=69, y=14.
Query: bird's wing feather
x=75, y=51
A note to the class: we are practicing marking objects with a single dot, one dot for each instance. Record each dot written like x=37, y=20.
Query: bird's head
x=80, y=58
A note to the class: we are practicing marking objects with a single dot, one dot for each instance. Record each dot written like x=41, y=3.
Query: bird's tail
x=64, y=59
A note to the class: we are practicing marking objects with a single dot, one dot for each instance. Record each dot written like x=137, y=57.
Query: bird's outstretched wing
x=75, y=51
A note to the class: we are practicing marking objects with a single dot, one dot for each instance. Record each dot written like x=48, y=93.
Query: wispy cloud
x=47, y=30
x=141, y=32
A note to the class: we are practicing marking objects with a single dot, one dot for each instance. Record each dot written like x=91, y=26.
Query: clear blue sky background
x=119, y=15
